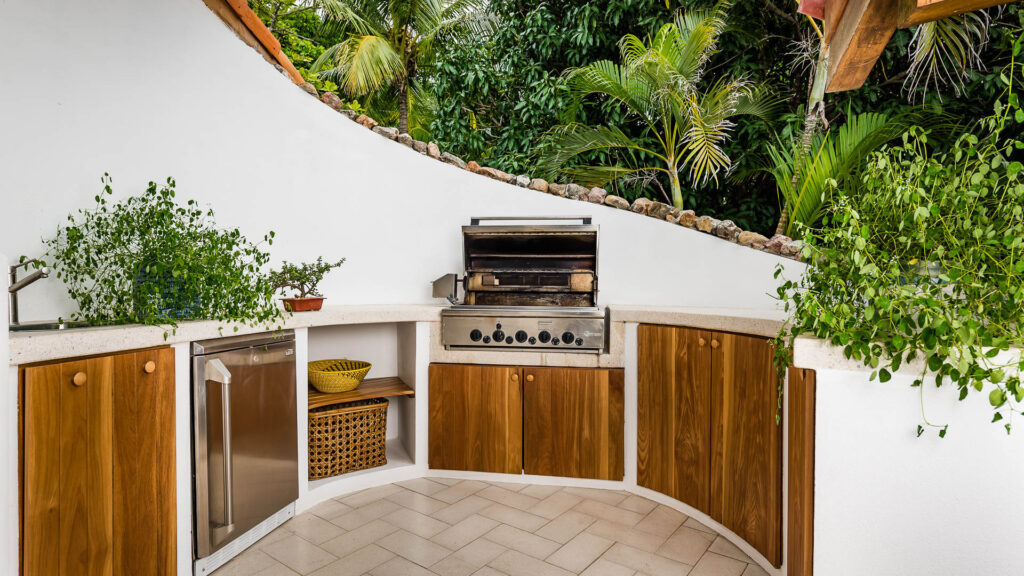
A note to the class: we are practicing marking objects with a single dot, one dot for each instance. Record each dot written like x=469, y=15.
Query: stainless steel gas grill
x=527, y=287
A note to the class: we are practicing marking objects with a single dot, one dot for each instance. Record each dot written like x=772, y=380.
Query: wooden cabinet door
x=674, y=412
x=98, y=464
x=574, y=422
x=746, y=455
x=476, y=418
x=800, y=543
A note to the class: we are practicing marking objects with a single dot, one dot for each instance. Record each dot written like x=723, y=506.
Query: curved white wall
x=146, y=89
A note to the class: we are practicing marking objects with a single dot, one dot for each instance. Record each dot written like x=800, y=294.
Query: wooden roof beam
x=914, y=12
x=858, y=39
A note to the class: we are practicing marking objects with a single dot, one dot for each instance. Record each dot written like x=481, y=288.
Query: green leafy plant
x=661, y=84
x=149, y=260
x=302, y=278
x=926, y=265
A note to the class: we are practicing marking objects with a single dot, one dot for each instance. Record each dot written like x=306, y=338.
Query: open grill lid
x=531, y=264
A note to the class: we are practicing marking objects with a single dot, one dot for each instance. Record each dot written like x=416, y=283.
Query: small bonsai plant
x=303, y=279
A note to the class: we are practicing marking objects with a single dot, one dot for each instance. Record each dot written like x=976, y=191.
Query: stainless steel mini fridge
x=245, y=450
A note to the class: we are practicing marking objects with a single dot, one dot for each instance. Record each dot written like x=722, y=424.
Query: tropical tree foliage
x=388, y=42
x=661, y=84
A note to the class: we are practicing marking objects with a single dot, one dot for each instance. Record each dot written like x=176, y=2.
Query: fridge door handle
x=216, y=371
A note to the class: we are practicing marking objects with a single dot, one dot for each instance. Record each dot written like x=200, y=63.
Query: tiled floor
x=444, y=527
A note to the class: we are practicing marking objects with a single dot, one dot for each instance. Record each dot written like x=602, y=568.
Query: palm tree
x=832, y=161
x=389, y=42
x=659, y=83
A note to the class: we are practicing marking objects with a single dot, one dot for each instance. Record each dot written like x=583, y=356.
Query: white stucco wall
x=146, y=89
x=888, y=502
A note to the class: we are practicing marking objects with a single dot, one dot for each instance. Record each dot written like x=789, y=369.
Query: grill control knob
x=521, y=336
x=579, y=341
x=487, y=339
x=498, y=335
x=508, y=340
x=554, y=341
x=533, y=340
x=568, y=337
x=497, y=326
x=476, y=335
x=544, y=337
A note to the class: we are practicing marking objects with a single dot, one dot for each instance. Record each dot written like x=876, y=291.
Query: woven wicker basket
x=333, y=376
x=347, y=437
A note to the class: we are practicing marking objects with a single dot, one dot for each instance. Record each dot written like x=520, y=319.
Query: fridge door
x=246, y=446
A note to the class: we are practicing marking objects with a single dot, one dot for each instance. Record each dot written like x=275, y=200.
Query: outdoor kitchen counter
x=29, y=347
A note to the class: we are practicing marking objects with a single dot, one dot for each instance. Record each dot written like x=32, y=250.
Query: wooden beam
x=833, y=12
x=248, y=26
x=859, y=39
x=914, y=12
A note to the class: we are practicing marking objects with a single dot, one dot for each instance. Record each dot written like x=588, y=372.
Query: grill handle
x=475, y=221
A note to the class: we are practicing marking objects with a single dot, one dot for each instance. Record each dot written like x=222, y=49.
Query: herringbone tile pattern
x=446, y=527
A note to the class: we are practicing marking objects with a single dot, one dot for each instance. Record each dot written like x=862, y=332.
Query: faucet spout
x=16, y=285
x=38, y=274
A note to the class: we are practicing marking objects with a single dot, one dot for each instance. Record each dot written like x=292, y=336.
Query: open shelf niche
x=392, y=350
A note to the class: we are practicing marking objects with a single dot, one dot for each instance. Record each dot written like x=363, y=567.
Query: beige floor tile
x=638, y=504
x=416, y=501
x=626, y=535
x=359, y=562
x=330, y=509
x=364, y=497
x=413, y=521
x=360, y=537
x=521, y=541
x=400, y=567
x=612, y=497
x=414, y=548
x=730, y=550
x=312, y=528
x=754, y=570
x=698, y=526
x=712, y=564
x=662, y=521
x=479, y=552
x=513, y=517
x=453, y=566
x=555, y=505
x=462, y=509
x=464, y=532
x=602, y=567
x=299, y=555
x=274, y=536
x=686, y=545
x=488, y=571
x=456, y=492
x=510, y=486
x=365, y=514
x=609, y=512
x=580, y=552
x=539, y=491
x=277, y=569
x=248, y=562
x=507, y=497
x=446, y=481
x=566, y=526
x=645, y=562
x=424, y=486
x=516, y=563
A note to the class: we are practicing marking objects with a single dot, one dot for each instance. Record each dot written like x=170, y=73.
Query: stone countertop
x=30, y=347
x=741, y=320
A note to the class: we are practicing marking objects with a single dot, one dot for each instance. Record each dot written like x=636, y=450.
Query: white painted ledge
x=741, y=320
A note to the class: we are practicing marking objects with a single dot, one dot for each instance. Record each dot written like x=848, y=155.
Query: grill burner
x=527, y=287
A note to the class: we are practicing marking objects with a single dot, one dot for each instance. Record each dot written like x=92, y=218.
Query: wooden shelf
x=367, y=390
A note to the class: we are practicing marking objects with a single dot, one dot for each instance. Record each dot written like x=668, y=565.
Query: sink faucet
x=16, y=285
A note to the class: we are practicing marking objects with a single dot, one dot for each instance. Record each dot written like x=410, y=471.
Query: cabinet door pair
x=545, y=421
x=706, y=429
x=98, y=466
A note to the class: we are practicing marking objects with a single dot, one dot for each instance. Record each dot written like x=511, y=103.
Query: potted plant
x=303, y=279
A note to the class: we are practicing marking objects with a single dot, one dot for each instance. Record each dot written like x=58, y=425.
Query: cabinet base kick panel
x=221, y=557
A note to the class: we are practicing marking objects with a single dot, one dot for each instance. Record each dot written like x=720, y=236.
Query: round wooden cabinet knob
x=79, y=379
x=714, y=343
x=702, y=341
x=150, y=367
x=529, y=377
x=515, y=377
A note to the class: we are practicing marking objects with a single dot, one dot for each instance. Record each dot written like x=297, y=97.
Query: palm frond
x=363, y=64
x=943, y=51
x=566, y=142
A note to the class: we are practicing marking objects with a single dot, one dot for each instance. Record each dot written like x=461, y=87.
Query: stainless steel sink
x=42, y=326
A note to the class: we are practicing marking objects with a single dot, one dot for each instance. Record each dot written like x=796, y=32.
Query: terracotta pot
x=302, y=304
